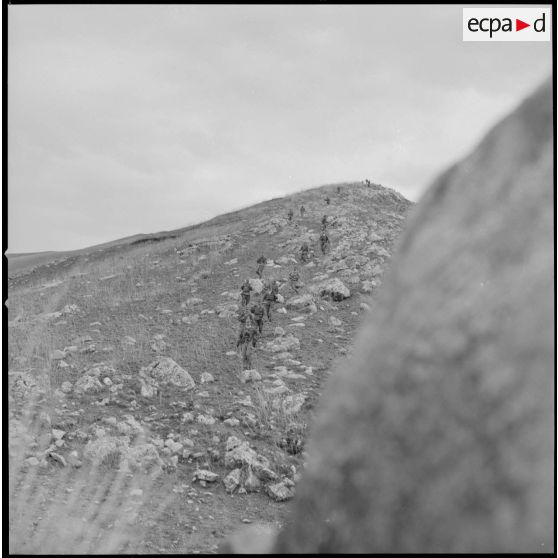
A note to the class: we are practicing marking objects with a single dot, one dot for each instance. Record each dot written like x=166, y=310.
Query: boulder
x=298, y=302
x=292, y=404
x=206, y=378
x=232, y=480
x=279, y=492
x=240, y=454
x=250, y=376
x=165, y=371
x=281, y=344
x=204, y=475
x=334, y=288
x=87, y=384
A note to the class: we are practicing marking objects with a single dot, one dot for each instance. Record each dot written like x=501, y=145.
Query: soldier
x=324, y=222
x=261, y=261
x=269, y=298
x=290, y=214
x=245, y=289
x=257, y=315
x=302, y=211
x=327, y=200
x=304, y=249
x=246, y=350
x=338, y=189
x=275, y=288
x=293, y=279
x=367, y=182
x=241, y=317
x=324, y=242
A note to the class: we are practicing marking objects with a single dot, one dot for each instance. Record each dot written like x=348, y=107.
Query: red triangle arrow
x=519, y=25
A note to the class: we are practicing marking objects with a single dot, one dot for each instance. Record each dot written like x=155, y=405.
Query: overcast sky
x=135, y=118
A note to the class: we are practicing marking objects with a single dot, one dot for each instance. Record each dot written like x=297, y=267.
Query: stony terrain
x=132, y=424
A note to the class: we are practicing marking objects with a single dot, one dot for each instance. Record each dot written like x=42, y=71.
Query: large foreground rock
x=439, y=437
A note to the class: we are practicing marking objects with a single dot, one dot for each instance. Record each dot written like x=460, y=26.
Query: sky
x=126, y=119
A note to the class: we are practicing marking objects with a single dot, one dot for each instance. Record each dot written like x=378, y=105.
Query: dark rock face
x=440, y=435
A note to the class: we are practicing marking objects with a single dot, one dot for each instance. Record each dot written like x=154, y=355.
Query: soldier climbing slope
x=304, y=249
x=241, y=317
x=275, y=288
x=338, y=189
x=324, y=242
x=324, y=222
x=367, y=183
x=258, y=311
x=302, y=211
x=245, y=289
x=261, y=261
x=269, y=298
x=327, y=200
x=294, y=280
x=246, y=343
x=290, y=214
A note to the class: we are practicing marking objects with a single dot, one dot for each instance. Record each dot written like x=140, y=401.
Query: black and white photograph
x=279, y=278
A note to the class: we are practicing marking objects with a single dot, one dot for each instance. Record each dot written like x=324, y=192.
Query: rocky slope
x=123, y=367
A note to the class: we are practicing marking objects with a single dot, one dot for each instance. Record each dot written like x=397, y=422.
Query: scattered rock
x=206, y=378
x=334, y=288
x=165, y=371
x=57, y=355
x=205, y=419
x=292, y=404
x=279, y=492
x=333, y=321
x=299, y=302
x=67, y=387
x=232, y=480
x=88, y=383
x=240, y=454
x=205, y=475
x=287, y=343
x=250, y=376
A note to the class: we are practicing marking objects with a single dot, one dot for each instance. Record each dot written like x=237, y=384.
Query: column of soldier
x=251, y=320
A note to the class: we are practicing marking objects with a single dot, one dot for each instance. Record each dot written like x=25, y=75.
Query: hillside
x=94, y=397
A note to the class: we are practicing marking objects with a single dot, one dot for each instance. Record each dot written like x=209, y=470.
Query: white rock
x=165, y=371
x=88, y=383
x=299, y=302
x=279, y=492
x=67, y=387
x=250, y=376
x=205, y=419
x=333, y=321
x=293, y=403
x=205, y=475
x=232, y=480
x=206, y=378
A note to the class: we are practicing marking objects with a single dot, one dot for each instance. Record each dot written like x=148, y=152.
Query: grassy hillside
x=95, y=435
